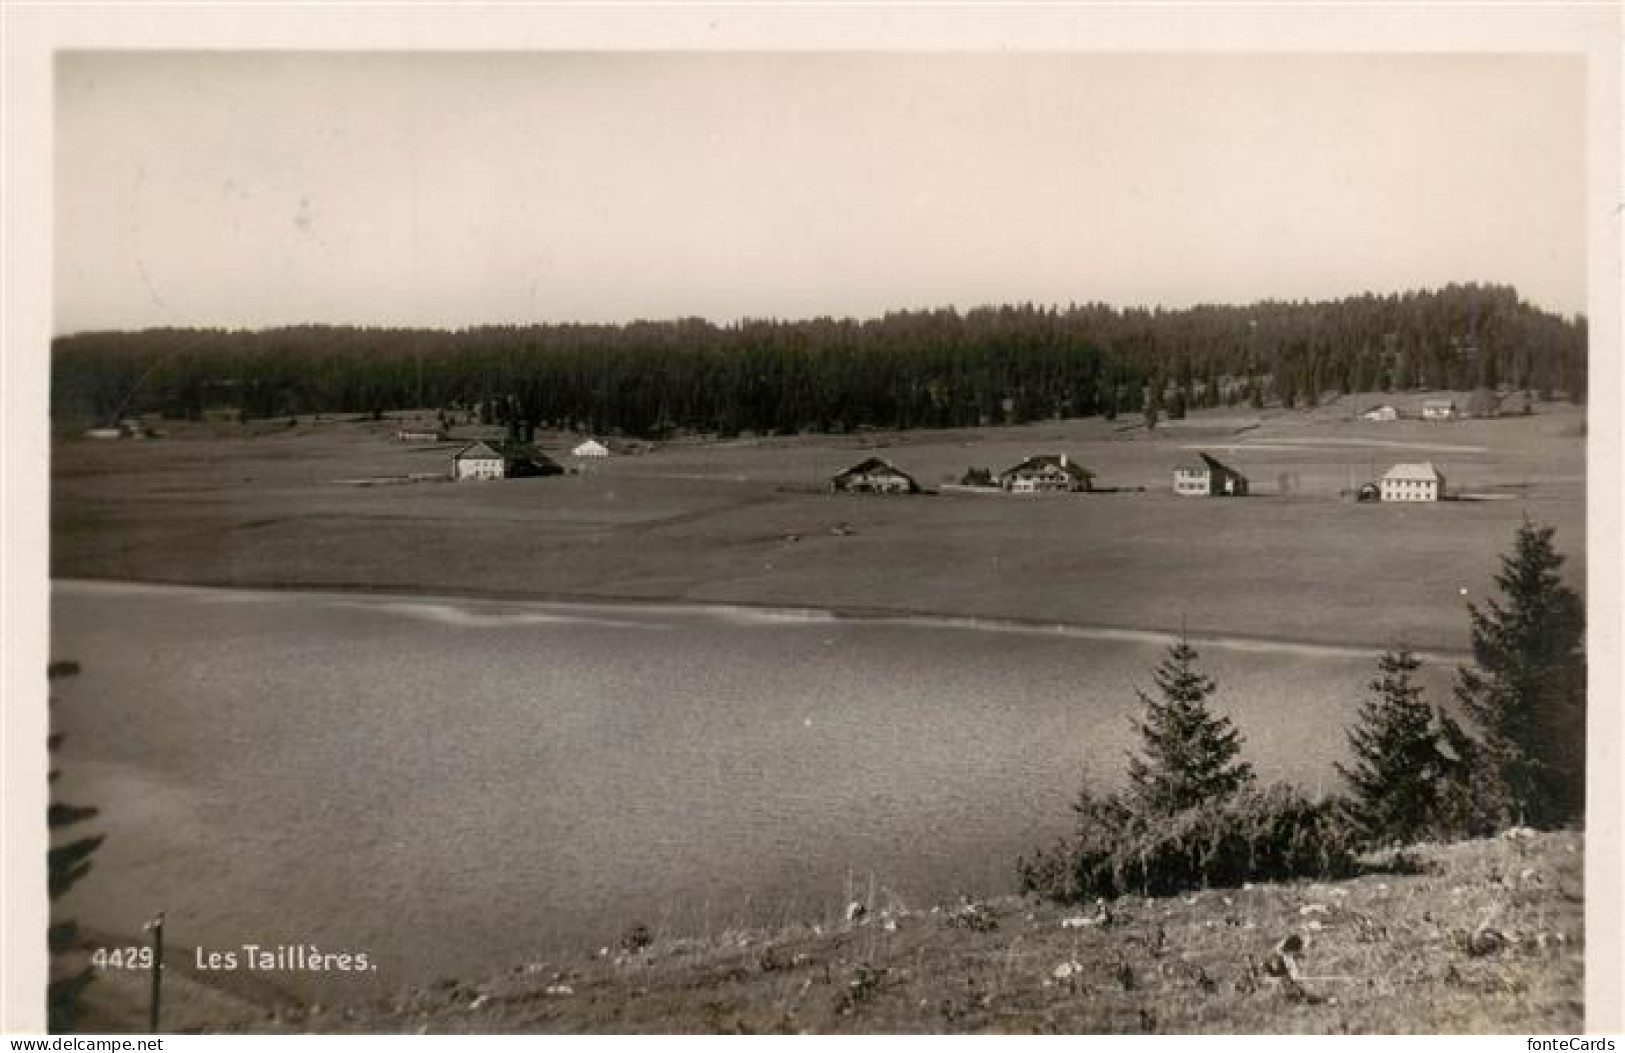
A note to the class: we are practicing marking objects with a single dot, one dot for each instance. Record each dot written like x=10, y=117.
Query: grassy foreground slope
x=1484, y=936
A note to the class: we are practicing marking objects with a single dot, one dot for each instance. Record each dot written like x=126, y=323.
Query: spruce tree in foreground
x=1402, y=774
x=1191, y=816
x=66, y=863
x=1526, y=690
x=1188, y=755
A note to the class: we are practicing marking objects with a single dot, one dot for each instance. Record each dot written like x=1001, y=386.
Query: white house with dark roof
x=1412, y=482
x=1046, y=473
x=1207, y=477
x=1439, y=409
x=478, y=461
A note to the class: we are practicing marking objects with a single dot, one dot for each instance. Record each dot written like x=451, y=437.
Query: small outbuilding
x=1439, y=409
x=874, y=476
x=418, y=435
x=590, y=448
x=1207, y=477
x=1413, y=482
x=1383, y=412
x=1046, y=473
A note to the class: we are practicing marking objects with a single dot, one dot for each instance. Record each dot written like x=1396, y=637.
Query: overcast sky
x=245, y=189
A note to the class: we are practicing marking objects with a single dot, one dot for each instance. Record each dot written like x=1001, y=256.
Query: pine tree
x=1525, y=691
x=1402, y=773
x=1188, y=754
x=66, y=864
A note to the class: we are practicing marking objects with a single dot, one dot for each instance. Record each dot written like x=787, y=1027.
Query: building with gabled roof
x=1383, y=412
x=1412, y=482
x=874, y=476
x=590, y=448
x=479, y=460
x=492, y=460
x=1046, y=473
x=1439, y=409
x=1207, y=477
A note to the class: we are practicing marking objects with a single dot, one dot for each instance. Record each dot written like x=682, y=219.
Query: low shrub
x=1270, y=834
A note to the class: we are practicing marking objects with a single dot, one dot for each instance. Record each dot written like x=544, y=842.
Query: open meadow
x=750, y=521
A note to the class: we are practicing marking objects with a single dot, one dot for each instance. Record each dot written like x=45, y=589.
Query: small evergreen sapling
x=1188, y=754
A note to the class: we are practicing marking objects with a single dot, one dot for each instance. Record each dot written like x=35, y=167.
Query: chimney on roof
x=1063, y=460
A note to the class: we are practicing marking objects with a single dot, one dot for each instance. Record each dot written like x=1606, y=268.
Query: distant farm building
x=485, y=460
x=129, y=428
x=1412, y=482
x=874, y=476
x=1439, y=409
x=478, y=461
x=1046, y=473
x=1381, y=413
x=417, y=435
x=1206, y=477
x=591, y=448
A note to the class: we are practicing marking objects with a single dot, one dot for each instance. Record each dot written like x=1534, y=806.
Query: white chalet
x=1412, y=482
x=1046, y=473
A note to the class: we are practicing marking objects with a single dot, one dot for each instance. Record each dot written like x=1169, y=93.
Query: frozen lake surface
x=460, y=786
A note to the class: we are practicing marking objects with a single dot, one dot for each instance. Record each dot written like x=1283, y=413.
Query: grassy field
x=1485, y=936
x=747, y=521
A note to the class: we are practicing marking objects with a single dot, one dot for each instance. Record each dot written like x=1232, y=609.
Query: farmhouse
x=1046, y=473
x=1412, y=482
x=591, y=448
x=478, y=461
x=484, y=460
x=1384, y=412
x=1439, y=409
x=875, y=476
x=1206, y=477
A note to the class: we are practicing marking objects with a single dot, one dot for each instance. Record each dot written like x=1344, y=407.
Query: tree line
x=907, y=369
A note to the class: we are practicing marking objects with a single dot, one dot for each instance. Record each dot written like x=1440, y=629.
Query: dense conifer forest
x=907, y=369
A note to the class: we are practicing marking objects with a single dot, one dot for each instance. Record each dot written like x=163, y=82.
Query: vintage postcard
x=706, y=521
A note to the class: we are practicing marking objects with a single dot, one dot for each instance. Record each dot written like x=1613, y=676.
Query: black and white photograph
x=828, y=539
